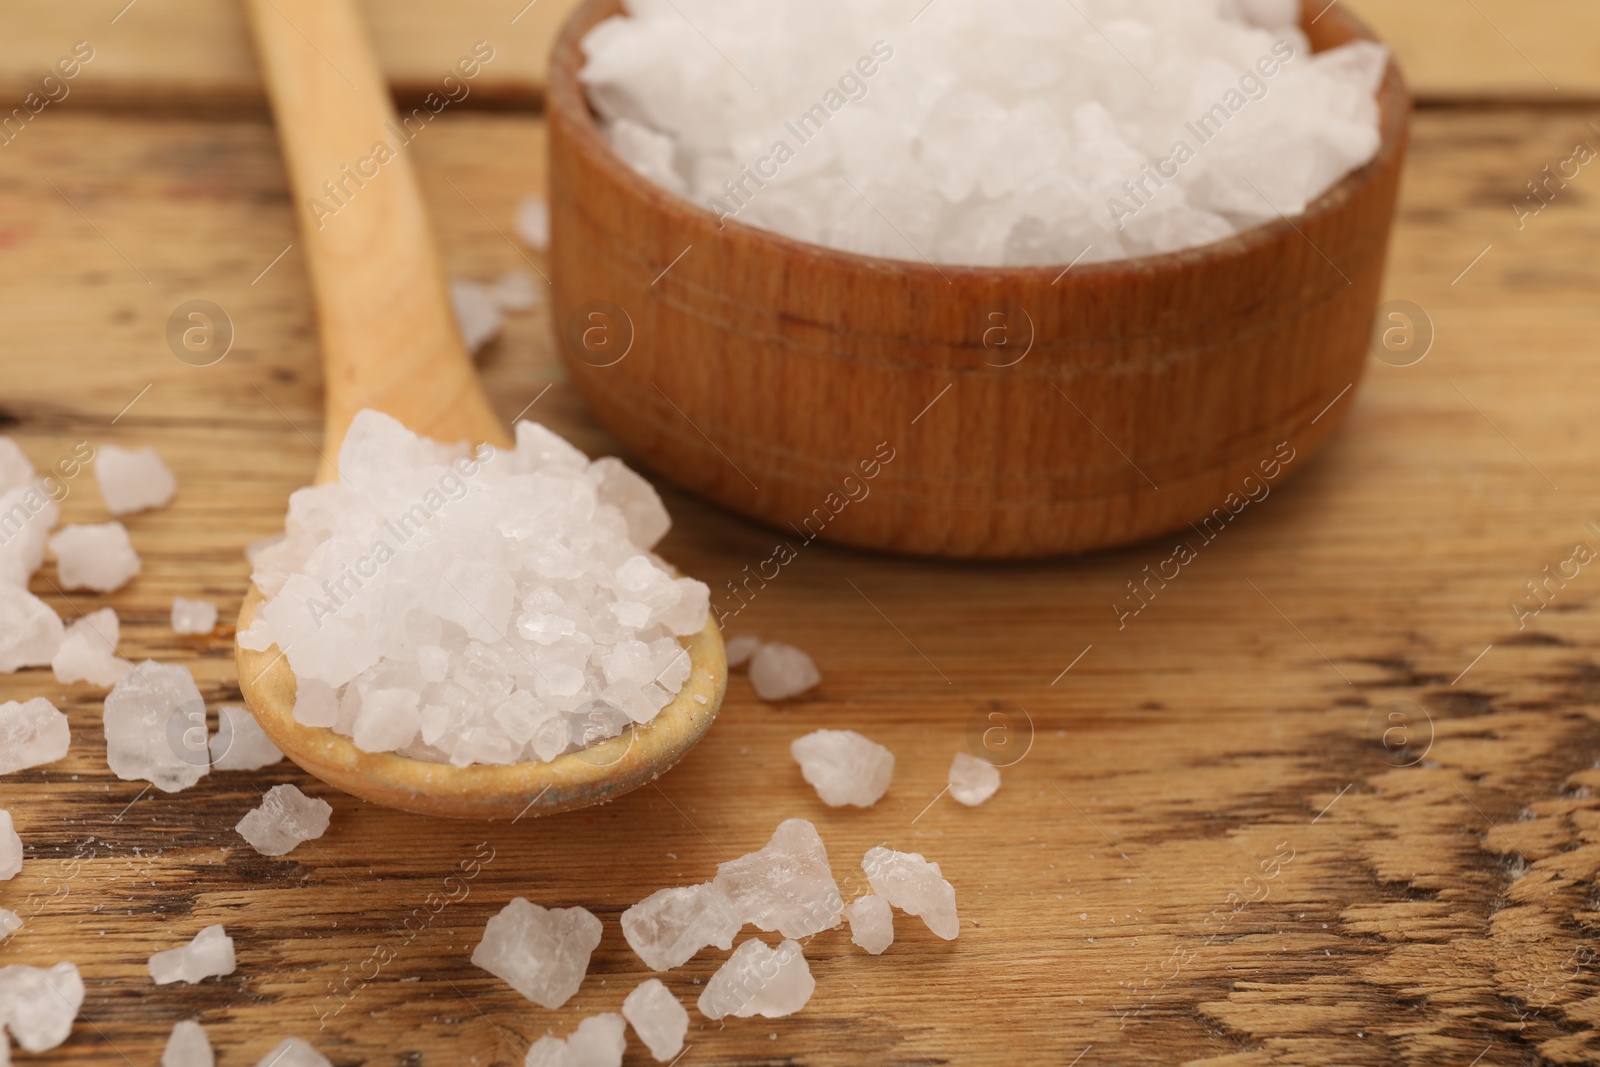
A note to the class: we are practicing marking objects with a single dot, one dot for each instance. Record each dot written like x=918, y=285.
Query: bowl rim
x=567, y=104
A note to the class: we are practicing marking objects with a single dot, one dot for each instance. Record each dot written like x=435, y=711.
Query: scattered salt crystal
x=239, y=744
x=193, y=616
x=915, y=886
x=31, y=734
x=786, y=886
x=973, y=780
x=669, y=926
x=284, y=819
x=88, y=651
x=657, y=1017
x=30, y=632
x=546, y=1052
x=188, y=1047
x=741, y=648
x=871, y=923
x=759, y=980
x=599, y=1041
x=542, y=953
x=257, y=637
x=477, y=313
x=844, y=767
x=210, y=954
x=39, y=1006
x=533, y=222
x=779, y=671
x=26, y=515
x=535, y=621
x=515, y=291
x=10, y=923
x=155, y=725
x=1012, y=132
x=95, y=556
x=132, y=479
x=10, y=848
x=293, y=1052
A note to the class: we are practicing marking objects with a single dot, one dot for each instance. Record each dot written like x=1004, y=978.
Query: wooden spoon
x=389, y=342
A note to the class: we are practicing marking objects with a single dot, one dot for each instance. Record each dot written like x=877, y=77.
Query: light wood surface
x=1113, y=896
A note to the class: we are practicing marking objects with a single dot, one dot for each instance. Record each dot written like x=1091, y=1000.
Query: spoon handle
x=389, y=337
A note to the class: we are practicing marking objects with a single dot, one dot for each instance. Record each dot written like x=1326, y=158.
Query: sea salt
x=30, y=632
x=293, y=1052
x=533, y=222
x=871, y=923
x=973, y=780
x=209, y=955
x=786, y=886
x=239, y=743
x=741, y=648
x=542, y=953
x=844, y=767
x=477, y=313
x=39, y=1006
x=284, y=819
x=484, y=607
x=193, y=616
x=95, y=556
x=599, y=1041
x=915, y=886
x=10, y=923
x=759, y=980
x=31, y=734
x=669, y=926
x=27, y=514
x=188, y=1047
x=88, y=651
x=132, y=479
x=155, y=726
x=657, y=1017
x=779, y=671
x=1011, y=132
x=10, y=848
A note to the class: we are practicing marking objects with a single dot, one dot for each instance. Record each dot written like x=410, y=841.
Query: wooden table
x=1217, y=843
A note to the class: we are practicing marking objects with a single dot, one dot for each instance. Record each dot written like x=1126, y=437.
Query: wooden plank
x=1206, y=854
x=192, y=54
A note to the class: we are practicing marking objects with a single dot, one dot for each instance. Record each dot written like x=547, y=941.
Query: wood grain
x=1111, y=893
x=192, y=54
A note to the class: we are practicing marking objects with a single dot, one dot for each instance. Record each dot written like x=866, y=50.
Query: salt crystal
x=786, y=886
x=915, y=886
x=133, y=479
x=973, y=780
x=39, y=1006
x=10, y=848
x=239, y=743
x=669, y=926
x=10, y=923
x=533, y=222
x=31, y=734
x=759, y=980
x=844, y=767
x=542, y=953
x=871, y=923
x=27, y=513
x=95, y=556
x=193, y=616
x=188, y=1047
x=30, y=632
x=475, y=608
x=779, y=671
x=284, y=819
x=477, y=313
x=293, y=1052
x=546, y=1052
x=741, y=648
x=657, y=1017
x=515, y=291
x=599, y=1041
x=155, y=726
x=1014, y=132
x=210, y=954
x=88, y=651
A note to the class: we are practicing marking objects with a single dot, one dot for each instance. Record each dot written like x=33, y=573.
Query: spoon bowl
x=390, y=343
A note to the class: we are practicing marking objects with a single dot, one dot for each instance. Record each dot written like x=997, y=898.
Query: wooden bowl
x=853, y=398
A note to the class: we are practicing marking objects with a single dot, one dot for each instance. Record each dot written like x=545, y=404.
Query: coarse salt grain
x=657, y=1017
x=741, y=648
x=669, y=926
x=972, y=780
x=542, y=953
x=239, y=743
x=285, y=818
x=786, y=886
x=535, y=619
x=533, y=222
x=1013, y=132
x=193, y=616
x=779, y=671
x=188, y=1047
x=155, y=727
x=30, y=632
x=844, y=767
x=759, y=980
x=294, y=1052
x=133, y=479
x=915, y=886
x=95, y=556
x=38, y=1006
x=10, y=923
x=88, y=651
x=31, y=734
x=477, y=313
x=27, y=514
x=871, y=923
x=209, y=955
x=10, y=848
